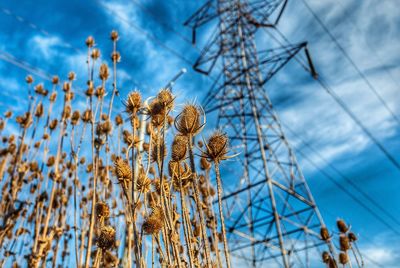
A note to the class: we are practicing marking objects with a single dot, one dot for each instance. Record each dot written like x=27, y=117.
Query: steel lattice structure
x=275, y=218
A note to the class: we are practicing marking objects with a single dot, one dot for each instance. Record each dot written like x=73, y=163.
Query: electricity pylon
x=274, y=216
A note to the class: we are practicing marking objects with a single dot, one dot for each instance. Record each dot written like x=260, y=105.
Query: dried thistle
x=106, y=239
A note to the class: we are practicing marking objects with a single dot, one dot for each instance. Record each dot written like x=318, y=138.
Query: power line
x=349, y=193
x=352, y=62
x=349, y=181
x=346, y=109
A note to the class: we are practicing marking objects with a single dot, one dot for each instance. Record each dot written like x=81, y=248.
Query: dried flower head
x=188, y=122
x=122, y=169
x=154, y=223
x=104, y=72
x=55, y=80
x=95, y=54
x=114, y=36
x=166, y=99
x=326, y=257
x=344, y=243
x=343, y=258
x=115, y=56
x=29, y=79
x=179, y=148
x=89, y=41
x=133, y=103
x=71, y=76
x=102, y=210
x=325, y=236
x=106, y=239
x=217, y=147
x=352, y=237
x=342, y=226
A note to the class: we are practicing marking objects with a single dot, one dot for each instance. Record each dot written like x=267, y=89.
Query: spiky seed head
x=115, y=56
x=342, y=226
x=188, y=121
x=106, y=239
x=100, y=92
x=104, y=72
x=55, y=80
x=324, y=234
x=122, y=169
x=75, y=117
x=326, y=257
x=343, y=258
x=29, y=79
x=157, y=113
x=114, y=35
x=8, y=114
x=217, y=146
x=87, y=116
x=166, y=99
x=39, y=110
x=133, y=103
x=179, y=148
x=118, y=120
x=352, y=237
x=71, y=76
x=143, y=183
x=89, y=41
x=102, y=210
x=344, y=243
x=154, y=223
x=95, y=54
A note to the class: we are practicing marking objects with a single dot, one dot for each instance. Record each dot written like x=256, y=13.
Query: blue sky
x=49, y=35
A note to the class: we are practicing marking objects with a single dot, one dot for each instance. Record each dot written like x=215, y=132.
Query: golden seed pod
x=87, y=116
x=352, y=237
x=154, y=223
x=326, y=257
x=53, y=124
x=166, y=99
x=133, y=103
x=343, y=258
x=100, y=92
x=115, y=56
x=53, y=96
x=217, y=146
x=89, y=41
x=39, y=110
x=102, y=210
x=104, y=72
x=75, y=117
x=179, y=148
x=106, y=239
x=55, y=80
x=114, y=36
x=342, y=226
x=344, y=243
x=122, y=169
x=118, y=120
x=188, y=121
x=95, y=54
x=29, y=79
x=324, y=234
x=8, y=114
x=66, y=87
x=71, y=76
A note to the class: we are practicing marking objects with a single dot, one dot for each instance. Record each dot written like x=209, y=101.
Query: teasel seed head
x=118, y=120
x=100, y=92
x=114, y=36
x=106, y=239
x=71, y=76
x=89, y=41
x=104, y=72
x=179, y=148
x=326, y=257
x=8, y=114
x=188, y=122
x=154, y=223
x=344, y=243
x=166, y=99
x=95, y=54
x=39, y=110
x=29, y=79
x=115, y=56
x=343, y=258
x=75, y=117
x=133, y=103
x=342, y=226
x=122, y=169
x=55, y=80
x=102, y=210
x=352, y=237
x=87, y=116
x=217, y=147
x=325, y=236
x=204, y=164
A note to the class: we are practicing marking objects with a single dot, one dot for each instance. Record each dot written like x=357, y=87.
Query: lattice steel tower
x=275, y=218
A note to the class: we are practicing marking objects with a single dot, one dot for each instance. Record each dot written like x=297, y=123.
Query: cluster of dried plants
x=347, y=243
x=95, y=188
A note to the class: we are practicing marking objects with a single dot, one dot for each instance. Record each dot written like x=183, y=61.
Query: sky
x=48, y=37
